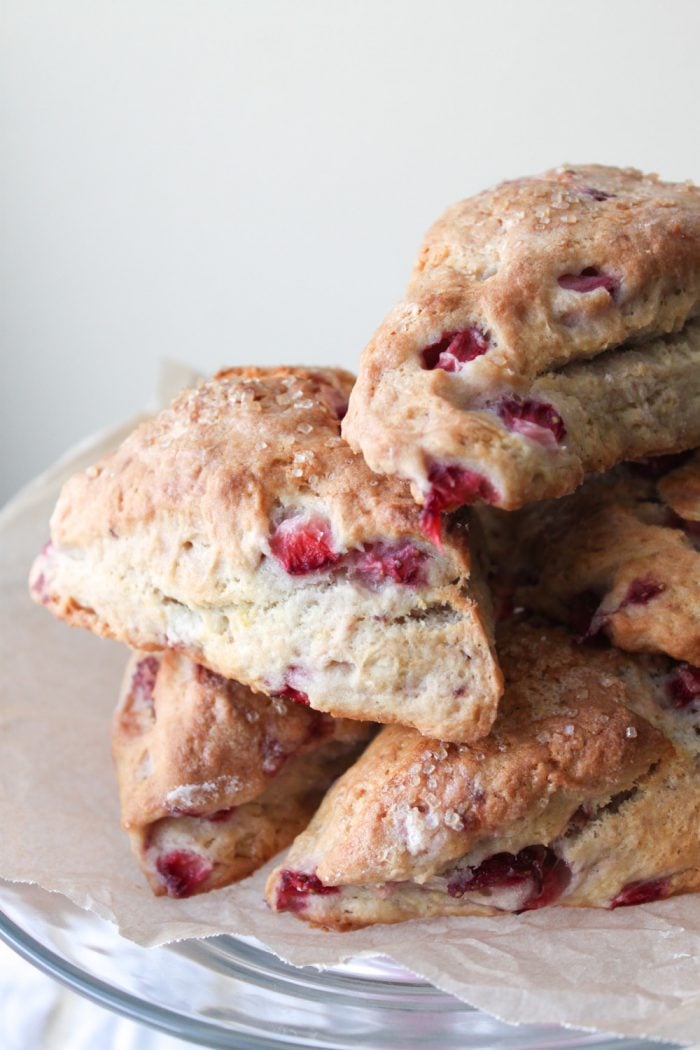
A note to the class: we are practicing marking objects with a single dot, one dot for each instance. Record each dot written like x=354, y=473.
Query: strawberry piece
x=455, y=349
x=683, y=687
x=288, y=692
x=452, y=487
x=535, y=420
x=220, y=815
x=588, y=281
x=39, y=586
x=143, y=683
x=641, y=893
x=641, y=591
x=538, y=866
x=182, y=871
x=401, y=562
x=304, y=545
x=296, y=886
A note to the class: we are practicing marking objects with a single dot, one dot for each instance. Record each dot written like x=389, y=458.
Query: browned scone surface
x=504, y=251
x=621, y=556
x=239, y=527
x=214, y=779
x=547, y=332
x=567, y=801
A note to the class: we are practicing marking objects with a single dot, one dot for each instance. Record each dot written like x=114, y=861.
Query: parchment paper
x=633, y=971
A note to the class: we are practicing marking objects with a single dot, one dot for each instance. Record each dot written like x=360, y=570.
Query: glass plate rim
x=102, y=994
x=203, y=1033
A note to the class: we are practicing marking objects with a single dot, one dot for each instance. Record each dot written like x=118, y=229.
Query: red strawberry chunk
x=39, y=585
x=588, y=281
x=288, y=692
x=452, y=487
x=640, y=592
x=296, y=886
x=182, y=871
x=535, y=420
x=539, y=866
x=220, y=815
x=290, y=689
x=683, y=687
x=304, y=545
x=455, y=349
x=39, y=588
x=143, y=683
x=401, y=562
x=641, y=893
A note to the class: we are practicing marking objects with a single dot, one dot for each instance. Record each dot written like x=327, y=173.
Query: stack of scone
x=288, y=581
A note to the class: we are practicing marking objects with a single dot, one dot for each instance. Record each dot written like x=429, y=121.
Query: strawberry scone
x=238, y=527
x=214, y=780
x=549, y=331
x=586, y=793
x=619, y=557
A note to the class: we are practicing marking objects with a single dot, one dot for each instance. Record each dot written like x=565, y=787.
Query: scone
x=587, y=792
x=213, y=779
x=238, y=527
x=548, y=332
x=620, y=557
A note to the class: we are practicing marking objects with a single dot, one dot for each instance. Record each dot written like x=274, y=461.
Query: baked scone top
x=549, y=331
x=230, y=459
x=567, y=731
x=240, y=528
x=562, y=266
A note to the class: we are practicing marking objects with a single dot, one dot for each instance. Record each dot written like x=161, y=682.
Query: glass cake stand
x=230, y=992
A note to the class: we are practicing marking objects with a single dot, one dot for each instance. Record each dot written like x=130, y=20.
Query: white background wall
x=229, y=182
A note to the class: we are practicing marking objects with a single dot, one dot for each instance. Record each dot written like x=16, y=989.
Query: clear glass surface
x=229, y=992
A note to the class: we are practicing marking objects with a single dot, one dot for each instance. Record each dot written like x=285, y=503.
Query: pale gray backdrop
x=226, y=182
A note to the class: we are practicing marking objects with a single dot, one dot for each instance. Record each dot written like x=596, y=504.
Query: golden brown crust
x=230, y=451
x=559, y=732
x=586, y=755
x=208, y=767
x=619, y=556
x=494, y=265
x=502, y=252
x=170, y=542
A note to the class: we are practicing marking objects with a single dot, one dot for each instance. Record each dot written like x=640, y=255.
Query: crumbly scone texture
x=621, y=556
x=571, y=296
x=214, y=779
x=240, y=528
x=587, y=792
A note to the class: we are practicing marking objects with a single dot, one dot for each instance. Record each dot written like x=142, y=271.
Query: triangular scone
x=621, y=556
x=547, y=333
x=587, y=792
x=213, y=779
x=238, y=527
